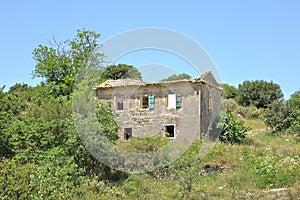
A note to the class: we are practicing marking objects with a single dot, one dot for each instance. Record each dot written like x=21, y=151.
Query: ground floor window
x=170, y=130
x=127, y=133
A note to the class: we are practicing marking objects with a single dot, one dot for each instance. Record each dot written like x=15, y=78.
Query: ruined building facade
x=176, y=109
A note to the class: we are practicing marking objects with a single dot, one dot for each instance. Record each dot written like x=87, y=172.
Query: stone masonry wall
x=145, y=122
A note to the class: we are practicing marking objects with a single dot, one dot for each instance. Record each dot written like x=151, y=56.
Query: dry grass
x=255, y=124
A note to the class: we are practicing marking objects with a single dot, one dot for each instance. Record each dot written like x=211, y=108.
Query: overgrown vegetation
x=233, y=131
x=42, y=156
x=285, y=116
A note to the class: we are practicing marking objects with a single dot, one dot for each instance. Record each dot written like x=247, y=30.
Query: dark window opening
x=145, y=103
x=120, y=103
x=127, y=133
x=170, y=130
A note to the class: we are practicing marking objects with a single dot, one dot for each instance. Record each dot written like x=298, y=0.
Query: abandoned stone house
x=175, y=109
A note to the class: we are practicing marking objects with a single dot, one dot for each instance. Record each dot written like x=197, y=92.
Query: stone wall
x=192, y=118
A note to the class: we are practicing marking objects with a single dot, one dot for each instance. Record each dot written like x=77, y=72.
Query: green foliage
x=140, y=187
x=232, y=131
x=276, y=171
x=6, y=148
x=14, y=180
x=143, y=145
x=15, y=100
x=258, y=93
x=121, y=71
x=108, y=124
x=247, y=112
x=175, y=77
x=230, y=91
x=277, y=116
x=95, y=189
x=50, y=108
x=31, y=138
x=55, y=179
x=42, y=156
x=285, y=116
x=294, y=106
x=60, y=63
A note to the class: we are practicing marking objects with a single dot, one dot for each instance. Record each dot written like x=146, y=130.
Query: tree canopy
x=230, y=91
x=59, y=63
x=175, y=77
x=258, y=93
x=121, y=71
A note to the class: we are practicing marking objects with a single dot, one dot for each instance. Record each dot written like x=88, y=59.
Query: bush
x=108, y=124
x=285, y=116
x=55, y=179
x=248, y=112
x=232, y=131
x=14, y=180
x=277, y=116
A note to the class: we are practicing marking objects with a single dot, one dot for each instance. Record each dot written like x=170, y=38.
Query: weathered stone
x=196, y=110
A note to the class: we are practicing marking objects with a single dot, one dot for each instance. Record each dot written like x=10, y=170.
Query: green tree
x=175, y=77
x=258, y=93
x=229, y=90
x=60, y=62
x=15, y=100
x=282, y=116
x=294, y=105
x=121, y=71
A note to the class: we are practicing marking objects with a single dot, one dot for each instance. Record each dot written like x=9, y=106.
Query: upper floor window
x=147, y=102
x=119, y=103
x=174, y=101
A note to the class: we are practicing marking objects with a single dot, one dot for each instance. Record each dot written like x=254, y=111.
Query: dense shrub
x=285, y=116
x=232, y=131
x=14, y=180
x=55, y=179
x=247, y=112
x=108, y=124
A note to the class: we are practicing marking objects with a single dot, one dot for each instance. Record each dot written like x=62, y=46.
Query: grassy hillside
x=227, y=172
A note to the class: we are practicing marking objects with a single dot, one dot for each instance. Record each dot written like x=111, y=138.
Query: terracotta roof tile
x=137, y=82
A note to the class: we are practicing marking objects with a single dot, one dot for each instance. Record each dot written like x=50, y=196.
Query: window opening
x=127, y=133
x=170, y=130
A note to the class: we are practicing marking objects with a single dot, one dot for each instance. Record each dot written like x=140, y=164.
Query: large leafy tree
x=59, y=63
x=258, y=93
x=121, y=71
x=230, y=91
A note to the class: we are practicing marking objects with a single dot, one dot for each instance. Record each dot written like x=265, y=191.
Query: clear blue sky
x=247, y=40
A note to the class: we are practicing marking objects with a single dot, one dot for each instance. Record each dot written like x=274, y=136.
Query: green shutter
x=151, y=102
x=178, y=100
